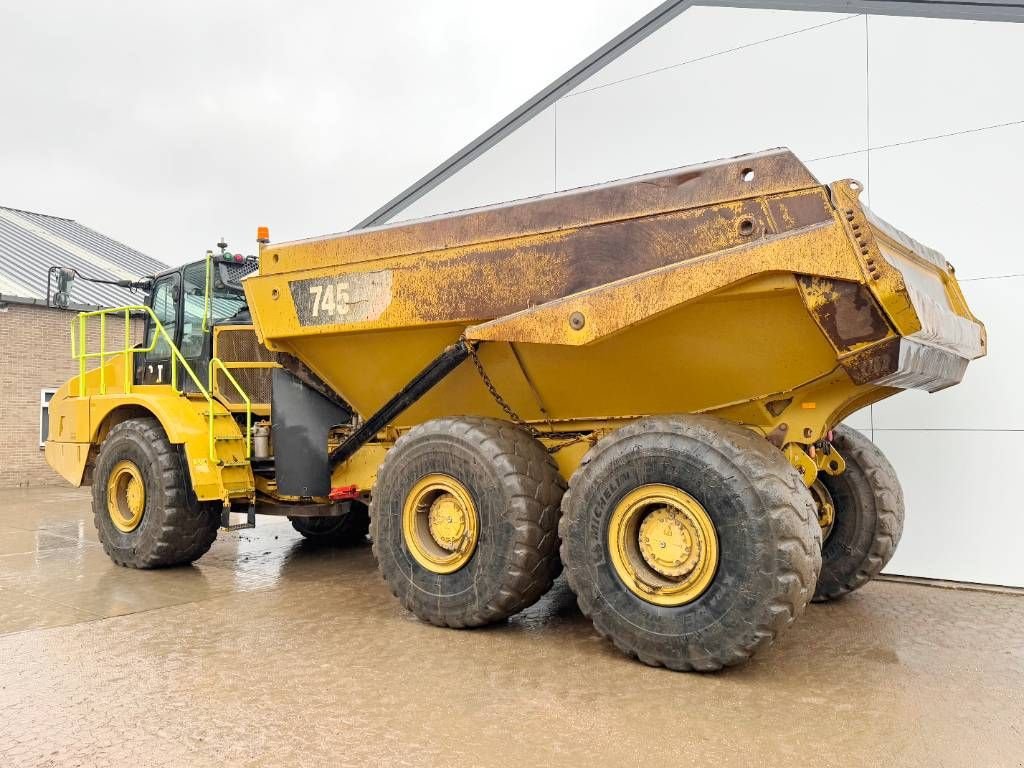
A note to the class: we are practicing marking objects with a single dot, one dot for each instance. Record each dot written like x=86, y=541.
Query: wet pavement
x=273, y=652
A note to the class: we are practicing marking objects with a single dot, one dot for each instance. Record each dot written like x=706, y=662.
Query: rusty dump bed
x=742, y=287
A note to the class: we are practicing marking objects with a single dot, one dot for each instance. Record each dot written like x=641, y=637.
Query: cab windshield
x=224, y=304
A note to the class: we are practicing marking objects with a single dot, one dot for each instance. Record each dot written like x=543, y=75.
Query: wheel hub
x=447, y=522
x=440, y=523
x=669, y=542
x=663, y=545
x=126, y=496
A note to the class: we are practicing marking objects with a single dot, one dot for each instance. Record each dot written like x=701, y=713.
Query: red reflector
x=239, y=257
x=344, y=493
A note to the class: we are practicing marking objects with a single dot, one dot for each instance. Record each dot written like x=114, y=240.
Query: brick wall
x=35, y=353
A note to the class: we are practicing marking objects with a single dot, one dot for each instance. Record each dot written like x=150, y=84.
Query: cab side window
x=194, y=306
x=166, y=310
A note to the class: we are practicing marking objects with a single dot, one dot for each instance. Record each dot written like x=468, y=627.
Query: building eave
x=37, y=302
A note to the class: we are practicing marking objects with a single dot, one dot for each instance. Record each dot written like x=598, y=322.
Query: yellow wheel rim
x=439, y=523
x=663, y=545
x=126, y=496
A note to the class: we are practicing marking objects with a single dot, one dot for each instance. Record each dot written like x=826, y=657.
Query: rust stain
x=845, y=311
x=494, y=281
x=821, y=249
x=874, y=362
x=776, y=172
x=800, y=210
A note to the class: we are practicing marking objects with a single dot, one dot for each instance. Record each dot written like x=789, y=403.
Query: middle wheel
x=464, y=520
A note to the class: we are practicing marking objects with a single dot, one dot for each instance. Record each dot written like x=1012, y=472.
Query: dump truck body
x=642, y=381
x=742, y=288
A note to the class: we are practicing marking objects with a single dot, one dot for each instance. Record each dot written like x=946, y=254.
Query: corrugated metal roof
x=31, y=243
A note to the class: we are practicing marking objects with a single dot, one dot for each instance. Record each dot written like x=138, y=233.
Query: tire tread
x=188, y=528
x=864, y=457
x=796, y=524
x=534, y=488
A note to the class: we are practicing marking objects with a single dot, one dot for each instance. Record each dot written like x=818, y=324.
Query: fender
x=78, y=426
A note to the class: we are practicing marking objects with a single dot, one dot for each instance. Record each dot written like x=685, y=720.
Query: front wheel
x=689, y=541
x=145, y=511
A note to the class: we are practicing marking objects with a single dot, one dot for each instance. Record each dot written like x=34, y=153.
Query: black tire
x=348, y=530
x=175, y=527
x=516, y=489
x=766, y=528
x=869, y=514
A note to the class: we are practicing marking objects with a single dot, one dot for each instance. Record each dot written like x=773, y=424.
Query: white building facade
x=928, y=113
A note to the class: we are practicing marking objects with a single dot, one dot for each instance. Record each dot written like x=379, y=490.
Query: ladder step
x=225, y=438
x=250, y=519
x=234, y=464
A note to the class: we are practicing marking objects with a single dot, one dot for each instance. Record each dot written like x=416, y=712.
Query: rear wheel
x=145, y=511
x=868, y=517
x=464, y=520
x=345, y=530
x=689, y=541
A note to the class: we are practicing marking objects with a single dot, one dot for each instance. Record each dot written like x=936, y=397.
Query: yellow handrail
x=80, y=353
x=216, y=363
x=129, y=352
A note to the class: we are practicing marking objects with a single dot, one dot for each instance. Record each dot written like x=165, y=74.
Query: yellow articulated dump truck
x=641, y=382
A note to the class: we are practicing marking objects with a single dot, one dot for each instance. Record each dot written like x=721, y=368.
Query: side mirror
x=59, y=281
x=64, y=280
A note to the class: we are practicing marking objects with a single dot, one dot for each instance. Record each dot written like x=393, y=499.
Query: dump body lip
x=773, y=171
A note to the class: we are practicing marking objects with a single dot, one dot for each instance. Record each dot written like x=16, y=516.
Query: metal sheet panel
x=302, y=419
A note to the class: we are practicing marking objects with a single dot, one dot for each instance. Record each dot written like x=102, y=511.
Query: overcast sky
x=168, y=124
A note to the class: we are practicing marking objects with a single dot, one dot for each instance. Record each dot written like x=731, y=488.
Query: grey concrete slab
x=272, y=652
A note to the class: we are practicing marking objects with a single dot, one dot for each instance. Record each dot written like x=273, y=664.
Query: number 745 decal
x=331, y=298
x=354, y=297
